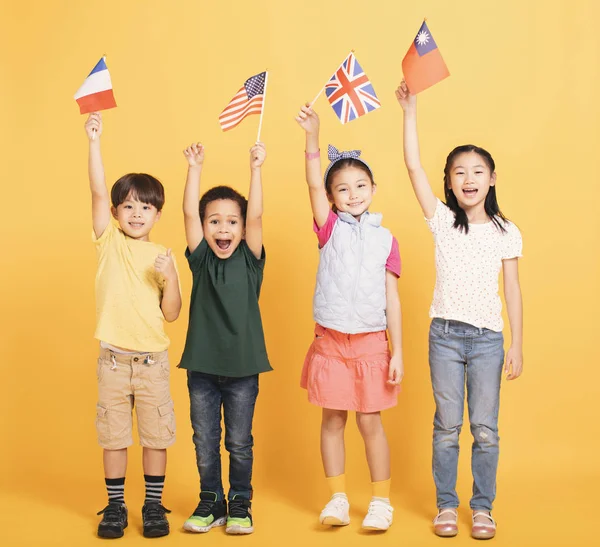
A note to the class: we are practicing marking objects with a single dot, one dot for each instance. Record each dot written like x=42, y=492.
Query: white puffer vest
x=350, y=292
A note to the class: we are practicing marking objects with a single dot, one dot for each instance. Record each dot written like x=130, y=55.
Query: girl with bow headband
x=349, y=365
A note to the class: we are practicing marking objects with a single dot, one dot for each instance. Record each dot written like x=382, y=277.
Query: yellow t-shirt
x=129, y=292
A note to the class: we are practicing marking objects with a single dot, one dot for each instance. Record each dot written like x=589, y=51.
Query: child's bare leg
x=380, y=514
x=376, y=445
x=154, y=461
x=333, y=425
x=115, y=463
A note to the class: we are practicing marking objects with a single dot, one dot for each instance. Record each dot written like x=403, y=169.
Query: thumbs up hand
x=164, y=264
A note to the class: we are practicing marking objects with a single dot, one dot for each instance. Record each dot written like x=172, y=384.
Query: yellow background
x=525, y=84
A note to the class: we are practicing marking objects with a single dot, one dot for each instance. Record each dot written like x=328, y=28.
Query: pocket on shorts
x=167, y=419
x=160, y=372
x=102, y=422
x=100, y=368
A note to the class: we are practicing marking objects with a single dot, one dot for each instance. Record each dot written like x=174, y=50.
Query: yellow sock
x=381, y=489
x=337, y=484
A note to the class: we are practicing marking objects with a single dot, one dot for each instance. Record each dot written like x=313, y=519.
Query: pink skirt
x=349, y=371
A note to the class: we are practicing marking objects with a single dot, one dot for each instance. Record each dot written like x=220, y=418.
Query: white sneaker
x=336, y=512
x=379, y=516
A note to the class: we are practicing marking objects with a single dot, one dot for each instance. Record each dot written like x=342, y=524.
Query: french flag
x=96, y=92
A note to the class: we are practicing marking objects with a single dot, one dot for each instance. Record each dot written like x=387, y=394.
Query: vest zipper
x=360, y=255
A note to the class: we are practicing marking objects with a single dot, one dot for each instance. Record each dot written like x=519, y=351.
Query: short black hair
x=141, y=186
x=223, y=192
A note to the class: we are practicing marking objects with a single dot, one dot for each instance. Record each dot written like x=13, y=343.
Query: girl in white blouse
x=473, y=242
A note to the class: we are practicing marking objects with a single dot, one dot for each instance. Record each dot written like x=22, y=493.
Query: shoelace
x=112, y=512
x=155, y=512
x=238, y=508
x=204, y=508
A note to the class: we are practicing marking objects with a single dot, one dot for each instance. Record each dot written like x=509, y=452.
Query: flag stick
x=93, y=130
x=319, y=93
x=262, y=110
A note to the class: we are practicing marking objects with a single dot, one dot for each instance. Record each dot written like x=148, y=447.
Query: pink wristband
x=312, y=155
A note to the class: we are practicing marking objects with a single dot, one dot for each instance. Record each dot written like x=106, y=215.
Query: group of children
x=349, y=366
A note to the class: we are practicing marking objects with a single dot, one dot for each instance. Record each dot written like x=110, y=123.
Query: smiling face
x=470, y=179
x=351, y=190
x=136, y=218
x=223, y=226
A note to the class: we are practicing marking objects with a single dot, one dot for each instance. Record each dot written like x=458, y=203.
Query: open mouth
x=223, y=244
x=470, y=192
x=136, y=225
x=355, y=205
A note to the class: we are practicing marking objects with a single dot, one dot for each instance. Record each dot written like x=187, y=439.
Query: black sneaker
x=113, y=522
x=208, y=514
x=155, y=521
x=239, y=520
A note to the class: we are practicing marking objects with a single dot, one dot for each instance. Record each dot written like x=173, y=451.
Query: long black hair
x=492, y=209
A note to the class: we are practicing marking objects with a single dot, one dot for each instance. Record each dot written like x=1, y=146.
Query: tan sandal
x=446, y=528
x=483, y=530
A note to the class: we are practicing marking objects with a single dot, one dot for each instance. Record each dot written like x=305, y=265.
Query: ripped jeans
x=460, y=353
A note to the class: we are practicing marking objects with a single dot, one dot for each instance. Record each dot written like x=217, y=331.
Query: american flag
x=248, y=100
x=350, y=92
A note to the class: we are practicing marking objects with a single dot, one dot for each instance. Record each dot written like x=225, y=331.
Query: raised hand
x=308, y=120
x=93, y=125
x=258, y=154
x=194, y=154
x=404, y=97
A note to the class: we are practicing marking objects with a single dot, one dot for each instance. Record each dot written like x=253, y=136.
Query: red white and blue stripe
x=96, y=93
x=350, y=92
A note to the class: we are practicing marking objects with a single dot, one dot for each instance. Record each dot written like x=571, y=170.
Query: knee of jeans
x=484, y=435
x=238, y=443
x=448, y=419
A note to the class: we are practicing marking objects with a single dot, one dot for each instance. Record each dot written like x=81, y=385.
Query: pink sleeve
x=324, y=232
x=394, y=264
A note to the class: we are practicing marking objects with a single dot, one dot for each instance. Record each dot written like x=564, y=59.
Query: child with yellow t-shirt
x=137, y=288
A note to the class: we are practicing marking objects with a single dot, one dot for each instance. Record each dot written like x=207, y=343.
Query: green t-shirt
x=225, y=334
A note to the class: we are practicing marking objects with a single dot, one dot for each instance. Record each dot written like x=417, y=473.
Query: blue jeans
x=460, y=352
x=237, y=396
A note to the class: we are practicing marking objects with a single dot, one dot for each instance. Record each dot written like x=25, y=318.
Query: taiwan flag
x=96, y=93
x=423, y=65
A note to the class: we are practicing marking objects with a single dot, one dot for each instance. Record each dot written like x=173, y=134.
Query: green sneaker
x=239, y=520
x=209, y=513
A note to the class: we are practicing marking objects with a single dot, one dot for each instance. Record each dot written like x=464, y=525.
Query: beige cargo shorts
x=139, y=380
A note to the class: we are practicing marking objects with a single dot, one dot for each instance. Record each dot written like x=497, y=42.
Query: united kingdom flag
x=350, y=92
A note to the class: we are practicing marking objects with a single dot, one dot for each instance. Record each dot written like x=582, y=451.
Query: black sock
x=116, y=490
x=154, y=488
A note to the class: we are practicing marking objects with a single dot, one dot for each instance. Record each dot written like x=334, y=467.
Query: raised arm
x=254, y=238
x=309, y=121
x=514, y=308
x=412, y=156
x=100, y=196
x=191, y=196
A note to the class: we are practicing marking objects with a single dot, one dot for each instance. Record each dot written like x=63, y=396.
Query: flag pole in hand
x=319, y=93
x=262, y=110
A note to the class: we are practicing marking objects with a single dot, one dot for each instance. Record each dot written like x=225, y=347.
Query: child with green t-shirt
x=225, y=346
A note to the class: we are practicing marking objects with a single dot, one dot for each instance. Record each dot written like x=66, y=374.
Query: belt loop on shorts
x=480, y=330
x=113, y=360
x=446, y=326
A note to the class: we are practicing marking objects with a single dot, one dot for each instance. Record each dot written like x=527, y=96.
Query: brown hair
x=142, y=187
